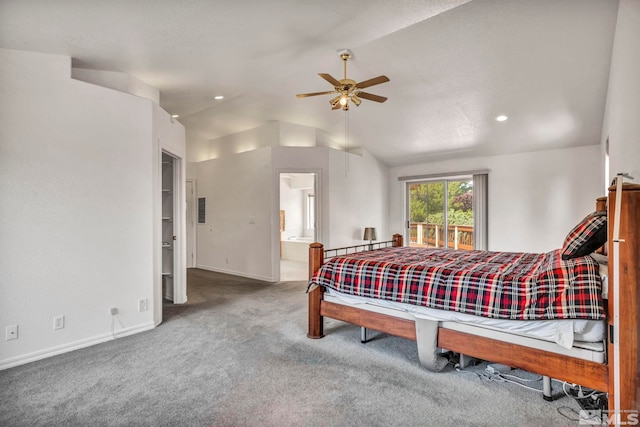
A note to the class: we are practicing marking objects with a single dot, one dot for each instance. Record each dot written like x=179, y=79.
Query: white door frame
x=275, y=247
x=179, y=247
x=191, y=222
x=179, y=230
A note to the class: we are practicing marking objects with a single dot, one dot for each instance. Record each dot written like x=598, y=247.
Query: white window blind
x=480, y=208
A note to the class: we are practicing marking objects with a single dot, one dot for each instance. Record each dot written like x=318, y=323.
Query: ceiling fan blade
x=372, y=82
x=371, y=97
x=330, y=79
x=304, y=95
x=337, y=106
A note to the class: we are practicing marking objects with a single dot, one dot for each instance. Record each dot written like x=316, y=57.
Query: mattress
x=564, y=332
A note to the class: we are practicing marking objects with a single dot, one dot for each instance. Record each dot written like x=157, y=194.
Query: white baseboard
x=76, y=345
x=236, y=273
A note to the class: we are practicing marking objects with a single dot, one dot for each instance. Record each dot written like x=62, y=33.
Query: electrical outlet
x=113, y=311
x=12, y=332
x=58, y=322
x=143, y=304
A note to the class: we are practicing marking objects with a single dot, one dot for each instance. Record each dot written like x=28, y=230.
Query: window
x=447, y=212
x=311, y=210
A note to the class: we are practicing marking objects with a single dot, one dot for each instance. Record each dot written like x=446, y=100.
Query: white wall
x=621, y=124
x=237, y=235
x=76, y=202
x=359, y=198
x=198, y=149
x=118, y=81
x=241, y=235
x=248, y=140
x=272, y=134
x=292, y=135
x=534, y=198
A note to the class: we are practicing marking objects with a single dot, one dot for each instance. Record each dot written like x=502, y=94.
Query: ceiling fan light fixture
x=346, y=89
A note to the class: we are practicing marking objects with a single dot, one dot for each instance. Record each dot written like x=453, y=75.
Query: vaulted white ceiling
x=454, y=65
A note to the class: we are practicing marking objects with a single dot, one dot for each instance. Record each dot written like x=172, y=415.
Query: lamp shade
x=370, y=234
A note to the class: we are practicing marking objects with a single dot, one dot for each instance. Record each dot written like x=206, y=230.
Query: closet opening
x=173, y=287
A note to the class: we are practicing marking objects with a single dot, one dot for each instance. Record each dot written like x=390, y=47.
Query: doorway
x=173, y=259
x=298, y=223
x=168, y=234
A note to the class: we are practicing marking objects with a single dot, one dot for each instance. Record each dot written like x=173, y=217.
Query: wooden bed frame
x=590, y=374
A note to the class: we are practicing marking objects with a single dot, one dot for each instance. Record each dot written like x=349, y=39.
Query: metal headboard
x=330, y=253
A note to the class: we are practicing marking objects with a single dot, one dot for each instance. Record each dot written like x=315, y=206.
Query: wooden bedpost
x=628, y=325
x=316, y=324
x=397, y=240
x=601, y=205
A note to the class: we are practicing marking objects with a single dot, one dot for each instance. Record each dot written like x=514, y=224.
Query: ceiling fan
x=348, y=90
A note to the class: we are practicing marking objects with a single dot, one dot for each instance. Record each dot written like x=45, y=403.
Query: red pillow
x=586, y=237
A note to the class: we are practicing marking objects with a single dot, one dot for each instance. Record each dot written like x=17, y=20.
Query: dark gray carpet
x=237, y=355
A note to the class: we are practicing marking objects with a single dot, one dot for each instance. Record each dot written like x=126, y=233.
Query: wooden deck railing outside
x=432, y=235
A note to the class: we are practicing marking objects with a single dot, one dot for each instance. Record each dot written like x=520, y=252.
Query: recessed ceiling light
x=175, y=116
x=218, y=97
x=501, y=118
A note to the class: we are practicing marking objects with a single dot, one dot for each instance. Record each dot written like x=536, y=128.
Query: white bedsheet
x=563, y=332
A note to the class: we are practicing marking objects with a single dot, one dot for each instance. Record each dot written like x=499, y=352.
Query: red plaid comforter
x=503, y=285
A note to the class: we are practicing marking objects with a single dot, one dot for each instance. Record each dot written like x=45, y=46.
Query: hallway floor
x=293, y=270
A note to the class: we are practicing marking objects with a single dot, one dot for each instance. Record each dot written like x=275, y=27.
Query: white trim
x=194, y=218
x=440, y=176
x=157, y=233
x=236, y=273
x=65, y=348
x=179, y=228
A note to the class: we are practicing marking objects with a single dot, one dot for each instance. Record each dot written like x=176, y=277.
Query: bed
x=601, y=352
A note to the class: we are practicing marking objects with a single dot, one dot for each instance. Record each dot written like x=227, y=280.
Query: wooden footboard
x=604, y=377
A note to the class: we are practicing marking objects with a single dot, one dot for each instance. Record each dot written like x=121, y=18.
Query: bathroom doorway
x=298, y=223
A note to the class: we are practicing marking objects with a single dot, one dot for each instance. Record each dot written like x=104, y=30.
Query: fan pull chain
x=346, y=139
